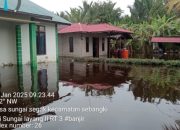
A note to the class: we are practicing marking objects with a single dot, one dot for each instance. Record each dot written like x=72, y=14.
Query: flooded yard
x=95, y=96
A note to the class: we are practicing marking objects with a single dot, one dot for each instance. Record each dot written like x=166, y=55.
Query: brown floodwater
x=101, y=96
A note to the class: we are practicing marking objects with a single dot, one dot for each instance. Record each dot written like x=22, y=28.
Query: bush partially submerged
x=153, y=62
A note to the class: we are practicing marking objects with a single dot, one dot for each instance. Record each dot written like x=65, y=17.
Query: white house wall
x=7, y=43
x=103, y=53
x=50, y=43
x=90, y=53
x=80, y=45
x=91, y=36
x=25, y=43
x=64, y=45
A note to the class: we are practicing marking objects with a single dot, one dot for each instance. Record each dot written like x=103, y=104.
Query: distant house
x=29, y=34
x=166, y=43
x=87, y=40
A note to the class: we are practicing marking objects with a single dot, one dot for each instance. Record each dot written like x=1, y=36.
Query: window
x=71, y=46
x=41, y=40
x=87, y=44
x=103, y=43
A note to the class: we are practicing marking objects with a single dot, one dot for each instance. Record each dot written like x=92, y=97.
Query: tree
x=105, y=12
x=80, y=14
x=143, y=32
x=145, y=10
x=97, y=12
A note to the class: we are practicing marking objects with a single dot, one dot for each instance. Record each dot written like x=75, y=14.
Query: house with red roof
x=166, y=44
x=88, y=40
x=28, y=33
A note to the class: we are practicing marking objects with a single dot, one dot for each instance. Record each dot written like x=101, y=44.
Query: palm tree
x=96, y=12
x=80, y=14
x=145, y=10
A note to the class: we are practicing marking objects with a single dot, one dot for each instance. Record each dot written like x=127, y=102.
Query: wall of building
x=64, y=45
x=50, y=44
x=100, y=36
x=25, y=43
x=7, y=43
x=90, y=53
x=80, y=45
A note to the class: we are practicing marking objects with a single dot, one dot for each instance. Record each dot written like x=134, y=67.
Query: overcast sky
x=65, y=5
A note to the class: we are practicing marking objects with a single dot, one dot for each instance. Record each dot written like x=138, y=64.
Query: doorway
x=95, y=47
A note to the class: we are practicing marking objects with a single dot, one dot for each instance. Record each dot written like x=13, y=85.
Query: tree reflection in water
x=152, y=83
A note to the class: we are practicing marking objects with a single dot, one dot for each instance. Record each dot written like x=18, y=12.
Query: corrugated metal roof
x=90, y=28
x=28, y=6
x=166, y=39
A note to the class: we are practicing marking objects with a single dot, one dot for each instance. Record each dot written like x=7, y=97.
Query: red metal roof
x=92, y=28
x=166, y=39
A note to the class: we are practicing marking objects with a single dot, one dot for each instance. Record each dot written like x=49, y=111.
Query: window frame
x=38, y=38
x=103, y=44
x=87, y=44
x=71, y=44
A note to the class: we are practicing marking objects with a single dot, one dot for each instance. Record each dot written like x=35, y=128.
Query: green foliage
x=152, y=62
x=105, y=12
x=145, y=10
x=97, y=12
x=148, y=18
x=80, y=14
x=160, y=26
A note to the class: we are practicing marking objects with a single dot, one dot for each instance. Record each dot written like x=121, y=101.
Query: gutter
x=13, y=12
x=18, y=20
x=50, y=21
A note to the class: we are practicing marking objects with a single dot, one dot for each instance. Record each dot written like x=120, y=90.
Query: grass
x=152, y=62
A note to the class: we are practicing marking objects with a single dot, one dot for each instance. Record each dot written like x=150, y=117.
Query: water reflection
x=157, y=86
x=151, y=83
x=93, y=74
x=33, y=80
x=20, y=78
x=130, y=93
x=42, y=80
x=147, y=83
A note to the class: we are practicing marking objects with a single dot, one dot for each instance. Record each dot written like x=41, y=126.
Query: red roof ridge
x=102, y=27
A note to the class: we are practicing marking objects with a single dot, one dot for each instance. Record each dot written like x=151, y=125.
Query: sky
x=65, y=5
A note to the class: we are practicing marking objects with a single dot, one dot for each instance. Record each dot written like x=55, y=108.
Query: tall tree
x=145, y=10
x=105, y=12
x=79, y=14
x=96, y=12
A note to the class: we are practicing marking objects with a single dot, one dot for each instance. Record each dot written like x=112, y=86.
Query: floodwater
x=92, y=96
